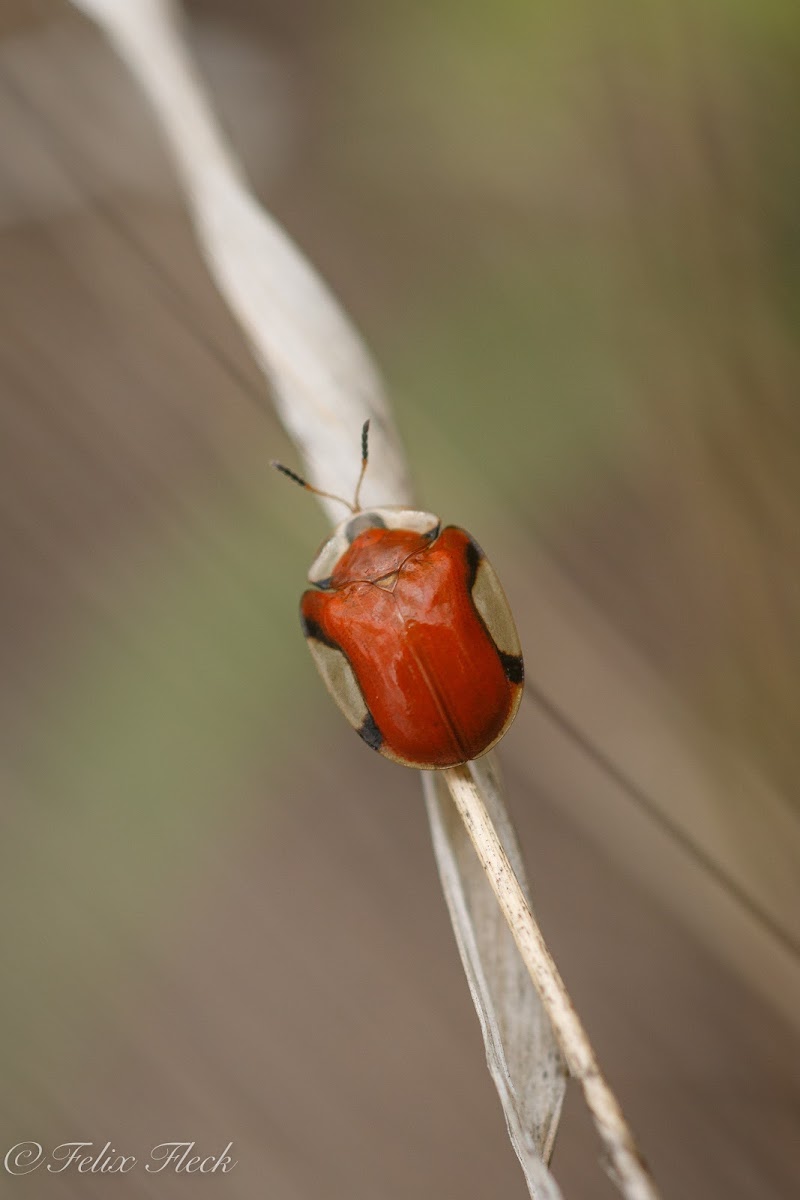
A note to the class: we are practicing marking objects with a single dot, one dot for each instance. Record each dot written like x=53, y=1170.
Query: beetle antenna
x=364, y=461
x=303, y=483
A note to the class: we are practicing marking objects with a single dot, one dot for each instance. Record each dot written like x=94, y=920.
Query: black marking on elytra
x=474, y=558
x=361, y=522
x=369, y=731
x=313, y=629
x=512, y=665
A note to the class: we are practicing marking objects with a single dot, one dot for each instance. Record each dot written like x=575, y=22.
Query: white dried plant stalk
x=625, y=1162
x=323, y=381
x=522, y=1055
x=324, y=387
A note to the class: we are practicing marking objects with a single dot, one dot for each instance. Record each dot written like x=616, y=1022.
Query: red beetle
x=412, y=634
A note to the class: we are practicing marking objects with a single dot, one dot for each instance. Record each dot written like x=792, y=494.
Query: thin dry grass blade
x=625, y=1165
x=325, y=387
x=521, y=1051
x=323, y=381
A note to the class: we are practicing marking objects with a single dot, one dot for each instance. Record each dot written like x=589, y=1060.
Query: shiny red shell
x=416, y=643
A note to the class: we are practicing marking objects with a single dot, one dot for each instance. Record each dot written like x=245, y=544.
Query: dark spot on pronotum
x=324, y=584
x=313, y=629
x=512, y=665
x=369, y=731
x=361, y=522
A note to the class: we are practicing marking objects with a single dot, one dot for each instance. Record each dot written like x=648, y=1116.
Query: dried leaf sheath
x=325, y=387
x=521, y=1051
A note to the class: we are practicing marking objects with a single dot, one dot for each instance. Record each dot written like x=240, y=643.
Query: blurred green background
x=569, y=234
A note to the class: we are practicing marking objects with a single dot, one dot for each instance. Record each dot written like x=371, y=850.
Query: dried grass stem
x=626, y=1164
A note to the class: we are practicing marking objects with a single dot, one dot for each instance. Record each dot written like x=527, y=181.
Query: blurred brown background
x=570, y=236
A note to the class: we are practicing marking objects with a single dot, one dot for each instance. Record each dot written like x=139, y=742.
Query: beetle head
x=343, y=536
